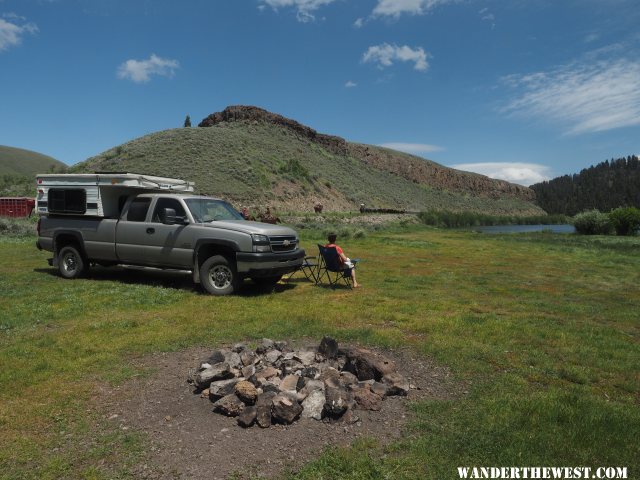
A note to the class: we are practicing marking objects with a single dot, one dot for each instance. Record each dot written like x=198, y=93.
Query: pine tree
x=187, y=122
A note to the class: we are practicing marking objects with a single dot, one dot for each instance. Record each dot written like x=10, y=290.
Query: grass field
x=542, y=330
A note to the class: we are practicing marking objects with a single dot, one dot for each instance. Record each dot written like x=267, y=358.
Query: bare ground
x=188, y=440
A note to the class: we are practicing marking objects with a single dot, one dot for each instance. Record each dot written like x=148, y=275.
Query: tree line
x=606, y=186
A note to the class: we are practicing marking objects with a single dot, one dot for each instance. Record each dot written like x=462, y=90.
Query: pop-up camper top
x=98, y=194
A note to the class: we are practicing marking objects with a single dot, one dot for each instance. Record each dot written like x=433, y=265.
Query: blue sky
x=516, y=89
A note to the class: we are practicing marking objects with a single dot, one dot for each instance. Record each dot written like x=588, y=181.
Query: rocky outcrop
x=236, y=113
x=423, y=171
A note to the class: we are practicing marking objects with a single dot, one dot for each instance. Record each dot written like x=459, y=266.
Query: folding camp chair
x=308, y=268
x=329, y=268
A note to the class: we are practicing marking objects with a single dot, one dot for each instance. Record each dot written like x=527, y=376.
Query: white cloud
x=359, y=23
x=582, y=98
x=413, y=148
x=140, y=71
x=522, y=173
x=350, y=84
x=384, y=55
x=395, y=8
x=304, y=8
x=592, y=37
x=11, y=32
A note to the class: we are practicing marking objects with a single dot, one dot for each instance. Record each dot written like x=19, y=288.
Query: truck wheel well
x=64, y=240
x=207, y=251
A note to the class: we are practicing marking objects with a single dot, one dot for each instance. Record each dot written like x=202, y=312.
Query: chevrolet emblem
x=286, y=243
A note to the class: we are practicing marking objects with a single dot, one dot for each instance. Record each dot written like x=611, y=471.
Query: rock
x=313, y=405
x=263, y=409
x=233, y=359
x=250, y=113
x=248, y=371
x=229, y=405
x=338, y=398
x=328, y=373
x=379, y=389
x=238, y=348
x=312, y=385
x=306, y=357
x=272, y=356
x=265, y=345
x=221, y=388
x=218, y=356
x=266, y=373
x=290, y=383
x=396, y=384
x=310, y=372
x=247, y=357
x=270, y=387
x=366, y=399
x=248, y=416
x=281, y=345
x=285, y=409
x=367, y=365
x=291, y=366
x=328, y=347
x=349, y=417
x=348, y=378
x=219, y=371
x=246, y=392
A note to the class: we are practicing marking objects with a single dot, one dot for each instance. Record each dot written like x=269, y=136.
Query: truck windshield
x=209, y=210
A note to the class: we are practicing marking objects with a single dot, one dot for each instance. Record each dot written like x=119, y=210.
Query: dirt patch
x=188, y=440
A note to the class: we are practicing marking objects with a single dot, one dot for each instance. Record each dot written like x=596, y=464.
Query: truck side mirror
x=168, y=216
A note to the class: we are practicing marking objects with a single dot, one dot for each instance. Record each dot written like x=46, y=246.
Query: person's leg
x=353, y=278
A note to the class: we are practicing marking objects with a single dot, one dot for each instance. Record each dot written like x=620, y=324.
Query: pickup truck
x=198, y=233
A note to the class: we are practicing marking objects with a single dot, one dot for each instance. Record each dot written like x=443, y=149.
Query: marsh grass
x=542, y=330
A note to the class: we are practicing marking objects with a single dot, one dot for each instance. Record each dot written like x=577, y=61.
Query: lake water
x=525, y=228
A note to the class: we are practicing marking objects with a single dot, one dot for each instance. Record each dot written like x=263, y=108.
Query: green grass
x=541, y=331
x=260, y=164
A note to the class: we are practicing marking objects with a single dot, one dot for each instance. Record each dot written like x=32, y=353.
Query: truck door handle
x=151, y=230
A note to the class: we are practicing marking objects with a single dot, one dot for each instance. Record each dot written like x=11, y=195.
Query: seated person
x=345, y=262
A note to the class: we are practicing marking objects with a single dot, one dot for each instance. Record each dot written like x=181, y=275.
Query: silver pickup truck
x=169, y=230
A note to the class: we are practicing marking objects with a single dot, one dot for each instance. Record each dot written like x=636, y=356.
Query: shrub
x=626, y=221
x=592, y=222
x=17, y=227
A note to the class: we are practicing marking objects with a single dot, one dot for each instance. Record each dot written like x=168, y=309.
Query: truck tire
x=218, y=276
x=71, y=263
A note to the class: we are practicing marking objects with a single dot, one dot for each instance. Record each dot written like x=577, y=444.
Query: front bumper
x=269, y=264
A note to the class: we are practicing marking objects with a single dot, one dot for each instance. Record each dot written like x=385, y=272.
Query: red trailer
x=16, y=206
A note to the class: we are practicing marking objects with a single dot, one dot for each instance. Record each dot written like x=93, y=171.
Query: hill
x=18, y=168
x=257, y=158
x=17, y=161
x=606, y=186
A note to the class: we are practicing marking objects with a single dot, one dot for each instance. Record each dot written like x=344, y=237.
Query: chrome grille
x=283, y=243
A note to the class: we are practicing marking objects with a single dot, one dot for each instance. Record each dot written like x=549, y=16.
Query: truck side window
x=138, y=209
x=163, y=203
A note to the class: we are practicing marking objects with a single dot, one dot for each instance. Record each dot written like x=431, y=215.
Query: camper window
x=63, y=200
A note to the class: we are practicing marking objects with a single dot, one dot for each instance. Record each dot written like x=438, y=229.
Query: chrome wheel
x=221, y=277
x=70, y=263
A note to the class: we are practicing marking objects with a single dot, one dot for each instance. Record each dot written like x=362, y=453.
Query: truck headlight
x=261, y=243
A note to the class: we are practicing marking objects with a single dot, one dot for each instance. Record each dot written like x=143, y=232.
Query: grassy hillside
x=259, y=164
x=17, y=161
x=18, y=168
